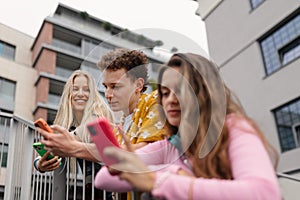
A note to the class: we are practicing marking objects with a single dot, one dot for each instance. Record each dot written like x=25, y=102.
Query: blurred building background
x=33, y=71
x=256, y=44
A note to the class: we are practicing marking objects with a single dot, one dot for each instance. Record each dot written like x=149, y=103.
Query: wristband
x=35, y=164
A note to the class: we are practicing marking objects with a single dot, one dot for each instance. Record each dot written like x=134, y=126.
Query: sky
x=172, y=21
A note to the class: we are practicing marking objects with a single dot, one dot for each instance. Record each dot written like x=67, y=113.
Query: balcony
x=63, y=72
x=53, y=99
x=66, y=46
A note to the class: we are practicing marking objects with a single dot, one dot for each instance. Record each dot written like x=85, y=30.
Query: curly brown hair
x=133, y=61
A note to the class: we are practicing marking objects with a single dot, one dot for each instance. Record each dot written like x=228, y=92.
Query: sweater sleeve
x=105, y=181
x=254, y=176
x=148, y=154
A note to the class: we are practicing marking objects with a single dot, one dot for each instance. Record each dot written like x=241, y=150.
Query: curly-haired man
x=125, y=76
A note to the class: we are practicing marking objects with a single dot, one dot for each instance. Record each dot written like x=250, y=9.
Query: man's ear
x=139, y=84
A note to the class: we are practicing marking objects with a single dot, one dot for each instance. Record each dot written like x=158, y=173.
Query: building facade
x=256, y=44
x=17, y=93
x=33, y=71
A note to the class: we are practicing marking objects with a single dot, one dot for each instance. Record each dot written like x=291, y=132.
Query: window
x=255, y=3
x=290, y=52
x=63, y=72
x=7, y=95
x=7, y=50
x=91, y=68
x=3, y=154
x=282, y=45
x=287, y=119
x=296, y=131
x=53, y=99
x=4, y=140
x=95, y=50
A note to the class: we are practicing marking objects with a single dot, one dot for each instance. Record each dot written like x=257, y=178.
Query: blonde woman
x=80, y=103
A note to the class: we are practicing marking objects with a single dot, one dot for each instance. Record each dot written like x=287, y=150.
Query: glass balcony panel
x=66, y=46
x=53, y=99
x=63, y=72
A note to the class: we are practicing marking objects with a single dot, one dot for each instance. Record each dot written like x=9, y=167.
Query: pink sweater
x=254, y=176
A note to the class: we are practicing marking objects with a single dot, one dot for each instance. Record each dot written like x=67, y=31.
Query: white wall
x=19, y=70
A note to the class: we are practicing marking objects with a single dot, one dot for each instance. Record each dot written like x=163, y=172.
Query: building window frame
x=3, y=154
x=287, y=119
x=7, y=50
x=290, y=52
x=296, y=133
x=255, y=3
x=4, y=140
x=7, y=97
x=281, y=45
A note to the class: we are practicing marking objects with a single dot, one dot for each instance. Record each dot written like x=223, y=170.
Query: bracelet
x=35, y=163
x=161, y=179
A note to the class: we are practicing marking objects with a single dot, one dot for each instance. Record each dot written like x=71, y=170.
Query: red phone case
x=103, y=136
x=41, y=123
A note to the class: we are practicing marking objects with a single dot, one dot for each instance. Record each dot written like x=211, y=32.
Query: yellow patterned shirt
x=146, y=125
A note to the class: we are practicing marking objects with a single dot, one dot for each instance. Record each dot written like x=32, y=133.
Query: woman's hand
x=45, y=165
x=131, y=169
x=62, y=143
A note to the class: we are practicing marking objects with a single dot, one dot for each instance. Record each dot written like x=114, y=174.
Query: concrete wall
x=233, y=30
x=20, y=70
x=233, y=25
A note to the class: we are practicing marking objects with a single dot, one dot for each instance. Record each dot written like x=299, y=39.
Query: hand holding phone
x=103, y=136
x=39, y=147
x=41, y=123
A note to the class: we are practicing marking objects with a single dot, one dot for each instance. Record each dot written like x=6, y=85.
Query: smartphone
x=41, y=123
x=39, y=147
x=103, y=136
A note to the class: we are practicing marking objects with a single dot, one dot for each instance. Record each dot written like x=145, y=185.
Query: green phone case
x=39, y=147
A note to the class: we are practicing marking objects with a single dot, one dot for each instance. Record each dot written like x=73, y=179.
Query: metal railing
x=22, y=181
x=19, y=156
x=68, y=182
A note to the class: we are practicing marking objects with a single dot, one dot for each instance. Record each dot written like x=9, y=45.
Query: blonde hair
x=96, y=107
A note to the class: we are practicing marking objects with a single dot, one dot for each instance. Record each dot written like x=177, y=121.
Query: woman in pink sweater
x=216, y=151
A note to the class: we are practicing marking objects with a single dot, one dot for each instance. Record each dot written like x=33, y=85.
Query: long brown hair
x=209, y=100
